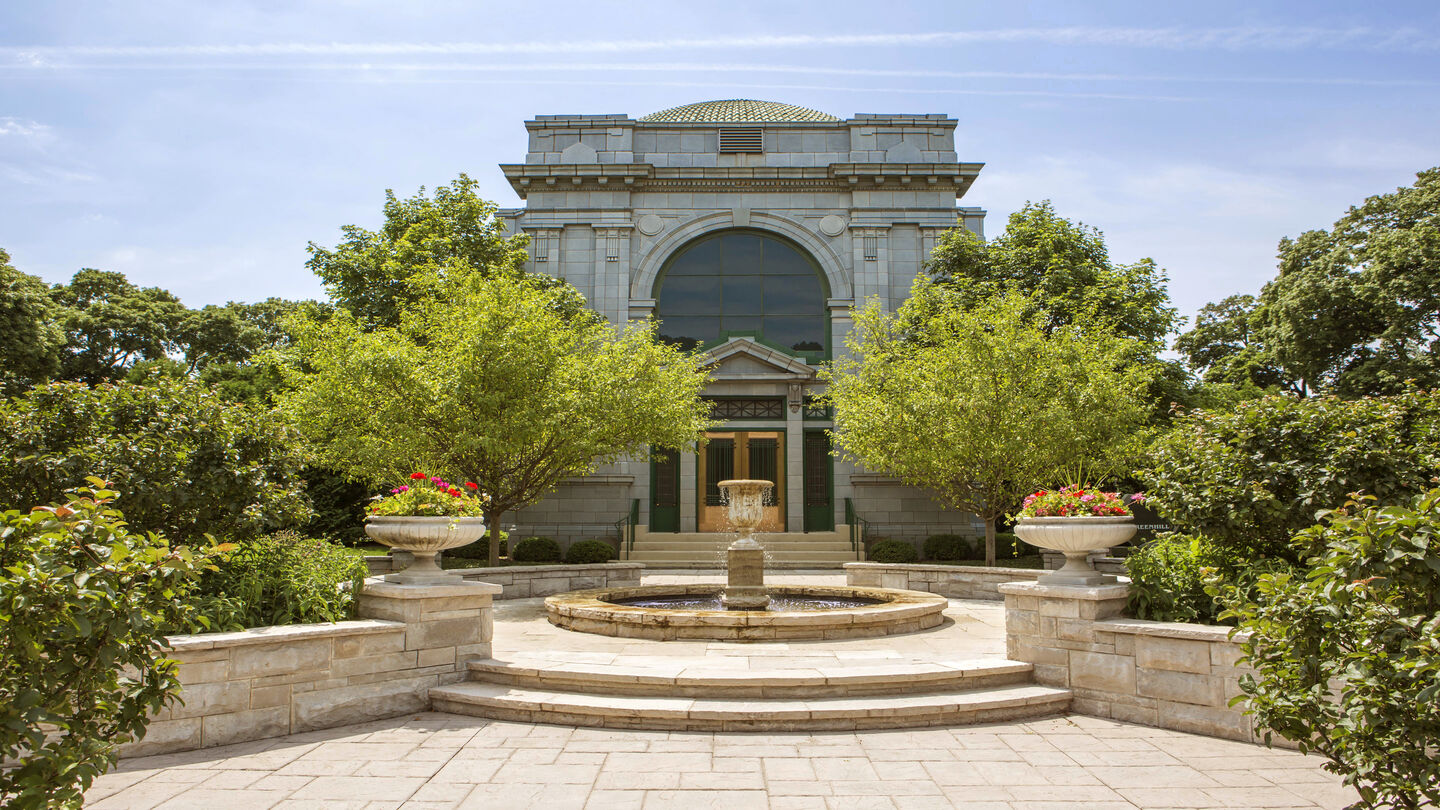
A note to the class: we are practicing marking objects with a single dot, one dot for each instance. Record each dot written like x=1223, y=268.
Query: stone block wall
x=522, y=581
x=272, y=681
x=953, y=581
x=1163, y=674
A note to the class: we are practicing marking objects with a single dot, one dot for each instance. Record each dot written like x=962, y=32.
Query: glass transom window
x=743, y=283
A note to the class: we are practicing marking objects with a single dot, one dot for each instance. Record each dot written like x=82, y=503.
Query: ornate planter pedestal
x=1076, y=537
x=425, y=538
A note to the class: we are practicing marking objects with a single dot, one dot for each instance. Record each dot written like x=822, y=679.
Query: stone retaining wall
x=954, y=581
x=1163, y=674
x=1099, y=560
x=522, y=581
x=272, y=681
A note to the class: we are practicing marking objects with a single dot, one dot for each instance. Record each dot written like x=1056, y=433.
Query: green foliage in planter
x=590, y=551
x=1251, y=478
x=283, y=578
x=84, y=606
x=948, y=547
x=192, y=462
x=891, y=551
x=536, y=549
x=1347, y=654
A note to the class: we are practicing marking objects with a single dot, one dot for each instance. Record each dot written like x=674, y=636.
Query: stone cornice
x=527, y=177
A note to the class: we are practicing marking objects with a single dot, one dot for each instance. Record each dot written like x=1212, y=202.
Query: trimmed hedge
x=948, y=547
x=589, y=551
x=536, y=549
x=891, y=551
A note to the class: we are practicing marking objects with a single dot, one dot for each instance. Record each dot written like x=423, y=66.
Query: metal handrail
x=859, y=529
x=625, y=528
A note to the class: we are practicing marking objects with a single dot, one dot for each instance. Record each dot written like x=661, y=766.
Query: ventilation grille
x=742, y=139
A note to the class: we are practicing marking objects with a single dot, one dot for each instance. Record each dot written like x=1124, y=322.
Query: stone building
x=752, y=229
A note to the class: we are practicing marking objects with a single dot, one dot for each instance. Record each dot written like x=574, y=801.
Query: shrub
x=590, y=551
x=948, y=547
x=339, y=506
x=192, y=463
x=1008, y=545
x=1168, y=577
x=84, y=607
x=1251, y=478
x=536, y=549
x=1347, y=655
x=283, y=578
x=891, y=551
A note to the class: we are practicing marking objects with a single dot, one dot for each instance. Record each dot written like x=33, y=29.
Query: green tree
x=1347, y=654
x=489, y=380
x=1225, y=349
x=110, y=324
x=1066, y=270
x=371, y=274
x=30, y=340
x=85, y=604
x=984, y=404
x=1355, y=310
x=193, y=462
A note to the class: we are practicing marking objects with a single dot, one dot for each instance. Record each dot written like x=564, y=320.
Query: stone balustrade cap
x=278, y=634
x=1182, y=630
x=395, y=590
x=1083, y=593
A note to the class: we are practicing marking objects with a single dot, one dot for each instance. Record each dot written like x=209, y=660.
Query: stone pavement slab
x=434, y=761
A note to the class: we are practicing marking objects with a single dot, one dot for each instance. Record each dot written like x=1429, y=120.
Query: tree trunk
x=492, y=521
x=990, y=541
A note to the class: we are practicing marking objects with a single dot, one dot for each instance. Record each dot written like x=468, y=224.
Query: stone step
x=640, y=555
x=688, y=680
x=707, y=564
x=502, y=702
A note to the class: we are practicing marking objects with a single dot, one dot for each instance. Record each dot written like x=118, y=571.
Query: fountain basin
x=885, y=612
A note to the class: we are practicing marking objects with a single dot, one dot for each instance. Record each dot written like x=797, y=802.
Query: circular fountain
x=745, y=609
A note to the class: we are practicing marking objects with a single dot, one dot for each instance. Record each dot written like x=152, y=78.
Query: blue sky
x=199, y=146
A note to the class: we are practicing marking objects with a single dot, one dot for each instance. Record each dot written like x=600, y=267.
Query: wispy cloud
x=532, y=68
x=22, y=129
x=1252, y=38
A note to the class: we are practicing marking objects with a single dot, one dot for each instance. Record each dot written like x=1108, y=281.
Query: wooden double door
x=756, y=454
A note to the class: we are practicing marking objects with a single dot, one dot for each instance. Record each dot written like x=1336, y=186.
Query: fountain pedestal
x=745, y=559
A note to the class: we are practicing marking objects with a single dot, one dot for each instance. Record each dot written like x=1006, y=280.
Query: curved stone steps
x=677, y=713
x=690, y=680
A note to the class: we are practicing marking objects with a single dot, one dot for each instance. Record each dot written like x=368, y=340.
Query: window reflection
x=743, y=283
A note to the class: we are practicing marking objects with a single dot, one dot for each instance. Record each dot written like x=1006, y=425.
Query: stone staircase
x=689, y=698
x=707, y=550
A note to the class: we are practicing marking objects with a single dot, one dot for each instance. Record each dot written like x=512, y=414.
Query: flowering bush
x=430, y=496
x=1076, y=501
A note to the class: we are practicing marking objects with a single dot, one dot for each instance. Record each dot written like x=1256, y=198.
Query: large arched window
x=743, y=283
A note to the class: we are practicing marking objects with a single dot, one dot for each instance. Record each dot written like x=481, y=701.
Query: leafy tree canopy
x=30, y=339
x=193, y=462
x=373, y=274
x=1066, y=270
x=984, y=404
x=1353, y=310
x=110, y=323
x=487, y=378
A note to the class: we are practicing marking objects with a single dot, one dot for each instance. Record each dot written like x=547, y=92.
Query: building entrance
x=741, y=454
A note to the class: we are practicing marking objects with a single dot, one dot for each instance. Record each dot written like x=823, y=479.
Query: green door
x=819, y=484
x=665, y=491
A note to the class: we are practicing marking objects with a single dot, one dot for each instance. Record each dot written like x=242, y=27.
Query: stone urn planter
x=1075, y=537
x=424, y=537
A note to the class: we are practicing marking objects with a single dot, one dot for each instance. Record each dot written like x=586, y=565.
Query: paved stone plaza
x=434, y=760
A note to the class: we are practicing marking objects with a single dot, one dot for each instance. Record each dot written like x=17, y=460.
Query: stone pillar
x=1053, y=627
x=445, y=625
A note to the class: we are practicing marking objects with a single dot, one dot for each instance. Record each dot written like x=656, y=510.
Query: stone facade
x=953, y=581
x=611, y=200
x=1168, y=675
x=271, y=681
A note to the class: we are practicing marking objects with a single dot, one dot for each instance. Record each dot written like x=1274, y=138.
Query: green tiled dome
x=736, y=111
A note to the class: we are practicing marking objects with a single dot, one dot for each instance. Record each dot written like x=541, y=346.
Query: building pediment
x=744, y=358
